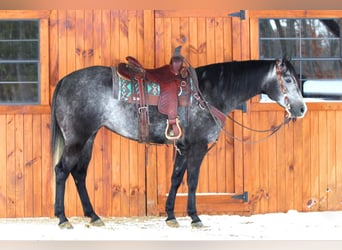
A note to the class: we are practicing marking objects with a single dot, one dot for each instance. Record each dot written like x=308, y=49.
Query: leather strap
x=143, y=113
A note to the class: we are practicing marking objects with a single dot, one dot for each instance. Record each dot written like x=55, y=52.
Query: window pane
x=270, y=49
x=13, y=30
x=279, y=28
x=320, y=48
x=18, y=72
x=318, y=28
x=19, y=50
x=18, y=93
x=321, y=69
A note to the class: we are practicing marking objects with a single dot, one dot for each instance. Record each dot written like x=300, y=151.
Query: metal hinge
x=243, y=107
x=243, y=196
x=241, y=14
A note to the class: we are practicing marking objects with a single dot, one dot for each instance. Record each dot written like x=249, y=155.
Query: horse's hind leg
x=68, y=161
x=61, y=177
x=79, y=174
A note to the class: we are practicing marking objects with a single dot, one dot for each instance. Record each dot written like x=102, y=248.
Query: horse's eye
x=288, y=80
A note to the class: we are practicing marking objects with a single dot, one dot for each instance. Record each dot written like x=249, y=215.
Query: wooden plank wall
x=81, y=38
x=205, y=37
x=25, y=180
x=300, y=167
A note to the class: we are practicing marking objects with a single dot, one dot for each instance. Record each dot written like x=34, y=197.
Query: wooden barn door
x=206, y=37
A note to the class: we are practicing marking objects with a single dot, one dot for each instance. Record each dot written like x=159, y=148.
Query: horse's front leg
x=176, y=179
x=195, y=158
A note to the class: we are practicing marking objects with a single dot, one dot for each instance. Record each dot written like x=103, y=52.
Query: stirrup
x=169, y=134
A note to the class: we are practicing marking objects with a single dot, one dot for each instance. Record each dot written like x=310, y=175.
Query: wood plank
x=289, y=167
x=20, y=109
x=184, y=36
x=3, y=167
x=333, y=198
x=227, y=37
x=148, y=26
x=141, y=184
x=98, y=187
x=37, y=166
x=210, y=32
x=298, y=161
x=24, y=14
x=314, y=160
x=263, y=164
x=151, y=181
x=53, y=51
x=19, y=167
x=323, y=160
x=338, y=122
x=80, y=39
x=234, y=161
x=219, y=41
x=27, y=167
x=47, y=170
x=44, y=61
x=116, y=186
x=254, y=170
x=176, y=38
x=202, y=41
x=306, y=167
x=11, y=163
x=281, y=166
x=272, y=165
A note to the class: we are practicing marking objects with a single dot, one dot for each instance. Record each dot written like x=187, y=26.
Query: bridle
x=282, y=86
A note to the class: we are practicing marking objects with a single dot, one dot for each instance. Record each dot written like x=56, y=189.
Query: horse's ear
x=281, y=64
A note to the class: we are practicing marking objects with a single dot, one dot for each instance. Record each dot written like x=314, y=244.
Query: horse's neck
x=241, y=85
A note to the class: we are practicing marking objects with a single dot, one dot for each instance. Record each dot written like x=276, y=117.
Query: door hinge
x=242, y=107
x=243, y=196
x=241, y=14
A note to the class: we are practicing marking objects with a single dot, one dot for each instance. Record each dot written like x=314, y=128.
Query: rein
x=272, y=130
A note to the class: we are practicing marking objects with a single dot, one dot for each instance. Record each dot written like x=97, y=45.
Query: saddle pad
x=126, y=90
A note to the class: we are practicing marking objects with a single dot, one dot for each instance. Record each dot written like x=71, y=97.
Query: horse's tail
x=57, y=140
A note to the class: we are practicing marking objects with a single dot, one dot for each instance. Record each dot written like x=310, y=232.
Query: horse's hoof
x=97, y=223
x=197, y=224
x=172, y=223
x=65, y=225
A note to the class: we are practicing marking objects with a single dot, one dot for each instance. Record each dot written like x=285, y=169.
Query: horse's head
x=287, y=91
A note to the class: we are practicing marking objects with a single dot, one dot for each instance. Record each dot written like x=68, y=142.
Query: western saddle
x=173, y=79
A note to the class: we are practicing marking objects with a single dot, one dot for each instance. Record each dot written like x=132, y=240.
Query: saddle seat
x=171, y=82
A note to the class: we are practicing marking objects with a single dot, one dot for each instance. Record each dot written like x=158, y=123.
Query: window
x=19, y=61
x=315, y=47
x=24, y=61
